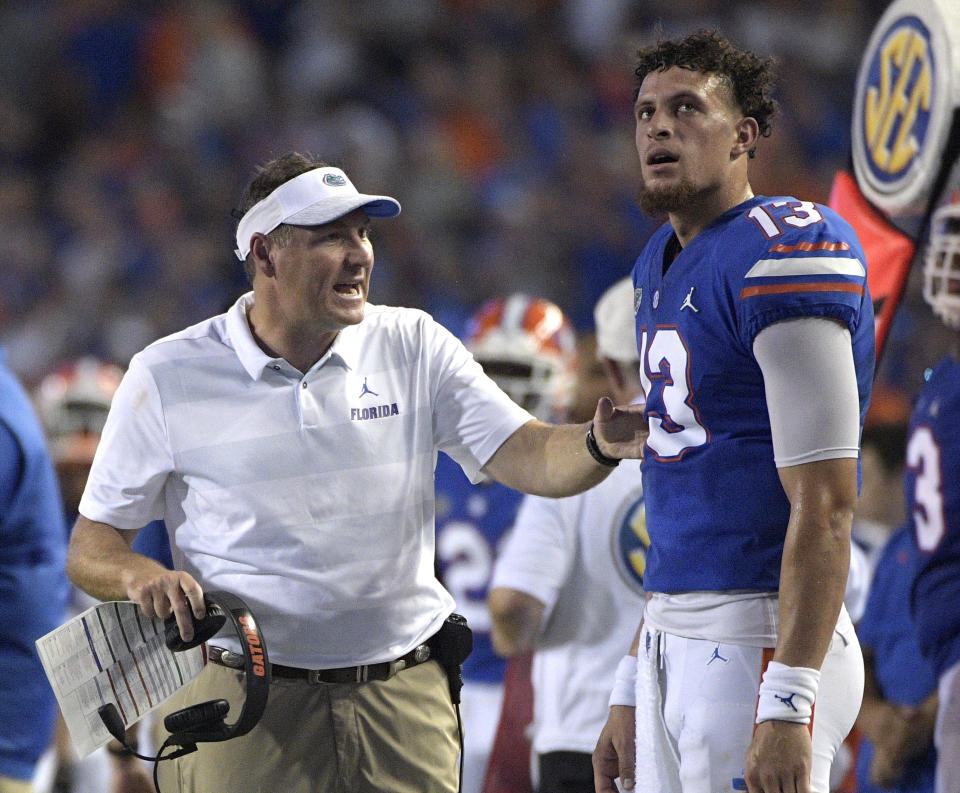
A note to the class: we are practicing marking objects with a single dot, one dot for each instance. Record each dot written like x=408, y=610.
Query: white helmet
x=73, y=403
x=941, y=265
x=528, y=346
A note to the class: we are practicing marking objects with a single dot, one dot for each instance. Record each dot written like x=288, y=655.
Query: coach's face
x=323, y=274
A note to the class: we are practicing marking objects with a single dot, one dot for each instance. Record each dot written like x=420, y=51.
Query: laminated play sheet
x=112, y=653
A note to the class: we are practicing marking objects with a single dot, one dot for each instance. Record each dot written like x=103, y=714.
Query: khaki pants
x=394, y=736
x=11, y=785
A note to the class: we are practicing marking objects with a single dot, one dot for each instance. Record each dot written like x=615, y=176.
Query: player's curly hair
x=268, y=178
x=750, y=76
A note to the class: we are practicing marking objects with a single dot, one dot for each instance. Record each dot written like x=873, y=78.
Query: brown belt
x=347, y=674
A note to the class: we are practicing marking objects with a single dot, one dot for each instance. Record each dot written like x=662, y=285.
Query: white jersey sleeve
x=473, y=415
x=811, y=387
x=537, y=554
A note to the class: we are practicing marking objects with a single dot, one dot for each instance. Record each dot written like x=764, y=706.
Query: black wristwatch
x=594, y=449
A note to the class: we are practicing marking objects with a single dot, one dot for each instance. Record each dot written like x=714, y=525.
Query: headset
x=205, y=722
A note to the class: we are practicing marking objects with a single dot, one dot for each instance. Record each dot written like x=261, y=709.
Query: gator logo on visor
x=334, y=180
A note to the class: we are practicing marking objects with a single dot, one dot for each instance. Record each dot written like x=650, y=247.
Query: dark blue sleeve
x=153, y=541
x=11, y=467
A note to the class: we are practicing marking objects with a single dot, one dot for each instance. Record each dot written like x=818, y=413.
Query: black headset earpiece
x=203, y=630
x=205, y=722
x=208, y=713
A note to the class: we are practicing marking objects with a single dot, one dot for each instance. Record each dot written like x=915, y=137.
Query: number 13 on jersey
x=672, y=413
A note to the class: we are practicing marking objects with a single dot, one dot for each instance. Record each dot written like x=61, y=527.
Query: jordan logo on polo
x=367, y=390
x=688, y=301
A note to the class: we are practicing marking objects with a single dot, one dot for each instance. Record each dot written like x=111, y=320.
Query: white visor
x=310, y=199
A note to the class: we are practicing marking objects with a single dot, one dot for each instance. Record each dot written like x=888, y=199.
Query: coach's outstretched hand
x=621, y=432
x=554, y=460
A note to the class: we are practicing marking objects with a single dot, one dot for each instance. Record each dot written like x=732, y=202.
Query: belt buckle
x=316, y=676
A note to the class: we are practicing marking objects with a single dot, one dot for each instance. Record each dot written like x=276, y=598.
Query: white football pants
x=697, y=701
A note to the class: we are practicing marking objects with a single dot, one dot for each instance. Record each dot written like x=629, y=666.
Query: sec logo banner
x=908, y=91
x=631, y=542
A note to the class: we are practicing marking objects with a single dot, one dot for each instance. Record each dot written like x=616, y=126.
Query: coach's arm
x=100, y=561
x=552, y=460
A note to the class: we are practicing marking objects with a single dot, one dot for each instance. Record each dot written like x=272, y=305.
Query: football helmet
x=528, y=346
x=73, y=402
x=941, y=266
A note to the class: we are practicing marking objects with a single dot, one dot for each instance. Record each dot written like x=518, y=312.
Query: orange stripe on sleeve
x=779, y=289
x=811, y=246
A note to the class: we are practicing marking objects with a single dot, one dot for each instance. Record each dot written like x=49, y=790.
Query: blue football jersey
x=932, y=485
x=471, y=521
x=153, y=541
x=716, y=511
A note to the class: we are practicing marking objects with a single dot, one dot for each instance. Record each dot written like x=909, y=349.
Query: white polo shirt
x=311, y=496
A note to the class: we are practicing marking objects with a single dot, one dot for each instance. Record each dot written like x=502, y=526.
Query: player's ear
x=260, y=251
x=748, y=133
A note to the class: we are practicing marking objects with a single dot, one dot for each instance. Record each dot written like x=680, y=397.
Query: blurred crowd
x=504, y=127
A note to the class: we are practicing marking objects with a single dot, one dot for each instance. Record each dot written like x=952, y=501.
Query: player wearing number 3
x=756, y=339
x=933, y=495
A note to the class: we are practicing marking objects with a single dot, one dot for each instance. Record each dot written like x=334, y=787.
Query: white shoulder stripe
x=807, y=265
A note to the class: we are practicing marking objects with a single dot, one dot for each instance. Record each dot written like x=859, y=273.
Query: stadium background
x=504, y=127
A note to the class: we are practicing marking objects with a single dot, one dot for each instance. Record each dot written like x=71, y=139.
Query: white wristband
x=787, y=693
x=625, y=683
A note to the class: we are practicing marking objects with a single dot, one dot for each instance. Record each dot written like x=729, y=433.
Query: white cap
x=616, y=323
x=311, y=199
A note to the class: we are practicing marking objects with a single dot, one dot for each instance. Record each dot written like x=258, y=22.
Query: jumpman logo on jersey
x=717, y=657
x=367, y=390
x=788, y=701
x=687, y=301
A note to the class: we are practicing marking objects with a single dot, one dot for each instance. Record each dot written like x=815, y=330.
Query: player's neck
x=705, y=209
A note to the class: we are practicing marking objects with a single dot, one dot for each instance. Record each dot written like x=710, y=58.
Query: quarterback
x=756, y=340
